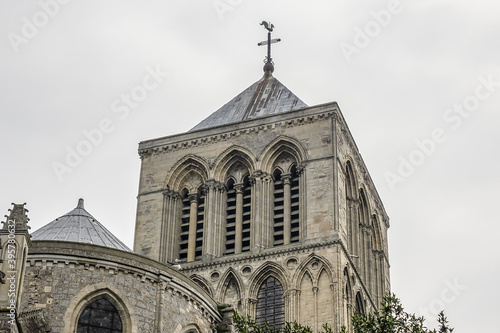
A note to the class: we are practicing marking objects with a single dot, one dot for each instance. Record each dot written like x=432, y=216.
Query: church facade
x=265, y=207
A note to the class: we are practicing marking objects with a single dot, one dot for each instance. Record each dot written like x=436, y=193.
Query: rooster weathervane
x=269, y=65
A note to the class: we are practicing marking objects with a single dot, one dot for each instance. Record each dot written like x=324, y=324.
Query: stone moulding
x=264, y=255
x=93, y=257
x=225, y=132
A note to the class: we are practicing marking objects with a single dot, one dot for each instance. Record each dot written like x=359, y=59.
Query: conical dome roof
x=78, y=226
x=266, y=97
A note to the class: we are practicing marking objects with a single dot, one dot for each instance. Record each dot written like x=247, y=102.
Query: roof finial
x=269, y=65
x=80, y=204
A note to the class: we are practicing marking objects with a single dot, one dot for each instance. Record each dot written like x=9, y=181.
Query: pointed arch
x=202, y=283
x=350, y=182
x=230, y=290
x=230, y=156
x=351, y=209
x=267, y=269
x=359, y=306
x=303, y=267
x=279, y=146
x=365, y=255
x=283, y=159
x=189, y=164
x=364, y=208
x=306, y=300
x=325, y=304
x=92, y=293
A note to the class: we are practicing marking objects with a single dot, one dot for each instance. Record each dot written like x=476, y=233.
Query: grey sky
x=401, y=84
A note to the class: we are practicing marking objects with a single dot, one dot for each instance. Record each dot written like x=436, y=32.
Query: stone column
x=193, y=219
x=287, y=208
x=169, y=240
x=315, y=292
x=260, y=231
x=239, y=218
x=212, y=230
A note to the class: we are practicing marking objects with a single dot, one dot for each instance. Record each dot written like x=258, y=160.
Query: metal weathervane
x=269, y=27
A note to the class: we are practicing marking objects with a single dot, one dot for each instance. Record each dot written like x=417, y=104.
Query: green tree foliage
x=390, y=318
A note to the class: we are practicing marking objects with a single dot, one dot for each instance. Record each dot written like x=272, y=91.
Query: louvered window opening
x=200, y=221
x=184, y=236
x=295, y=198
x=100, y=316
x=186, y=207
x=270, y=304
x=247, y=215
x=278, y=210
x=230, y=218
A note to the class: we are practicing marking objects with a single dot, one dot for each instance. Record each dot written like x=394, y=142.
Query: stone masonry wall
x=59, y=282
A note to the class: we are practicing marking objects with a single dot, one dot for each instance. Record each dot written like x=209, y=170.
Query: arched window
x=270, y=304
x=352, y=223
x=100, y=316
x=192, y=223
x=360, y=307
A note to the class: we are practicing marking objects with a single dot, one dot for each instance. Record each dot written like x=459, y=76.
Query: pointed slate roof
x=78, y=226
x=265, y=97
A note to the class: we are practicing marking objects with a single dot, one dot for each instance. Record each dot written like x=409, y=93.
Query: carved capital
x=301, y=168
x=286, y=177
x=193, y=197
x=171, y=195
x=239, y=188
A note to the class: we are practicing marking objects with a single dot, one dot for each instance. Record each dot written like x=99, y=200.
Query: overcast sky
x=418, y=83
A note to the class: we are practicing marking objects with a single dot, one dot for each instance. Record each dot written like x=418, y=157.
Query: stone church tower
x=268, y=206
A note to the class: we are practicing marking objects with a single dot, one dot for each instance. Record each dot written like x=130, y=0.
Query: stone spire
x=19, y=216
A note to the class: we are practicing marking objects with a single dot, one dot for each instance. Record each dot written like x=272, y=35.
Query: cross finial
x=269, y=65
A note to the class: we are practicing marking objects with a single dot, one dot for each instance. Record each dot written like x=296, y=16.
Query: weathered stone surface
x=61, y=276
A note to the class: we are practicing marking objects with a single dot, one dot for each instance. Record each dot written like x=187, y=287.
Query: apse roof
x=78, y=226
x=265, y=97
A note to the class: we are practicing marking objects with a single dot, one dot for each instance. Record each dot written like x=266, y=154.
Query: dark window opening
x=271, y=304
x=100, y=316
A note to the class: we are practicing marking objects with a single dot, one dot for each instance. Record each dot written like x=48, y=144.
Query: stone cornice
x=93, y=257
x=215, y=135
x=265, y=254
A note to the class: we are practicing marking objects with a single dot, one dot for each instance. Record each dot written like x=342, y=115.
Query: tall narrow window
x=352, y=224
x=278, y=209
x=295, y=201
x=184, y=237
x=238, y=216
x=286, y=207
x=271, y=304
x=100, y=316
x=360, y=307
x=200, y=221
x=247, y=215
x=192, y=223
x=230, y=217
